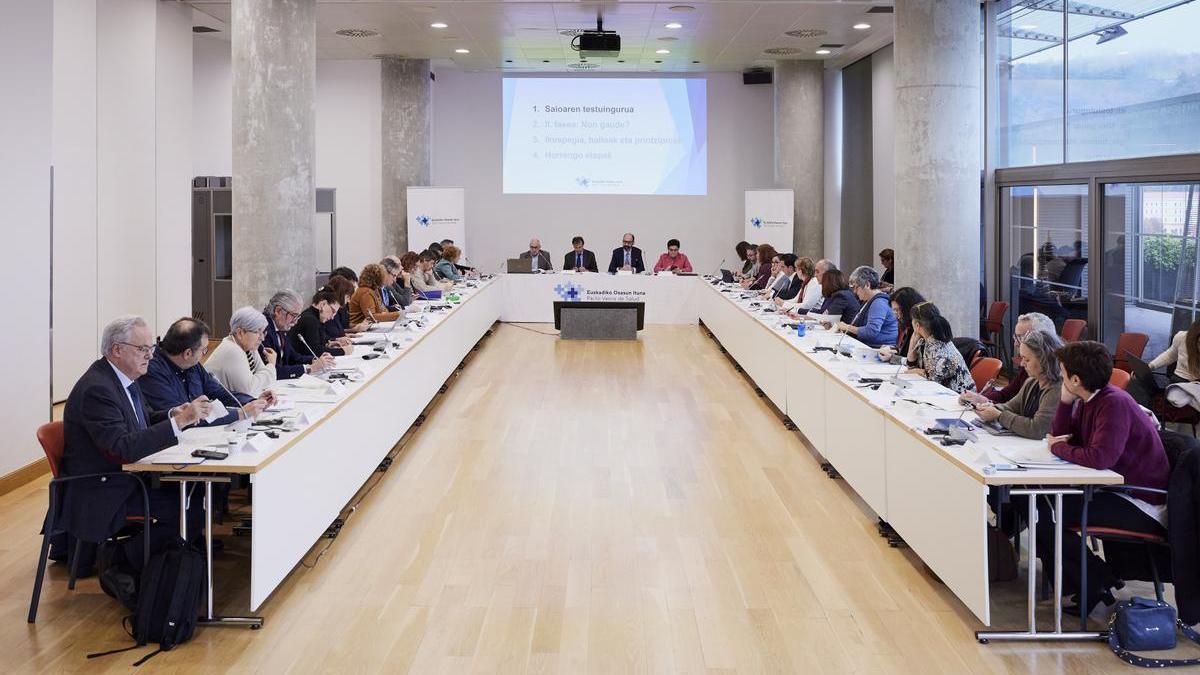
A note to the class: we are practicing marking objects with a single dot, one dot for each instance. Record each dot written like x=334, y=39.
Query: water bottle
x=800, y=329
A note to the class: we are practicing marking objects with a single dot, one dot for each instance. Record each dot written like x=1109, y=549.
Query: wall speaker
x=756, y=76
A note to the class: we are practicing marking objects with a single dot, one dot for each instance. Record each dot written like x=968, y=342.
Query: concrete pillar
x=937, y=155
x=274, y=122
x=407, y=104
x=800, y=149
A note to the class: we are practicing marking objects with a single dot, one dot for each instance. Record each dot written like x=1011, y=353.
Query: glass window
x=1029, y=80
x=1133, y=81
x=1046, y=250
x=1150, y=260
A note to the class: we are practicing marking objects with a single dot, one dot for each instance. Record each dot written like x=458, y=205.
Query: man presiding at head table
x=580, y=259
x=538, y=259
x=627, y=258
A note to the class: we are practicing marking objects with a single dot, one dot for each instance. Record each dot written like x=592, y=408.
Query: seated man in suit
x=175, y=375
x=397, y=293
x=627, y=257
x=795, y=283
x=106, y=424
x=282, y=312
x=580, y=259
x=539, y=259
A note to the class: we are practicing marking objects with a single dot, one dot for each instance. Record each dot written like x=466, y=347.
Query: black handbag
x=1142, y=624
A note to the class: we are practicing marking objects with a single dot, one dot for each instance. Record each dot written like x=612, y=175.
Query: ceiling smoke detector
x=806, y=33
x=356, y=32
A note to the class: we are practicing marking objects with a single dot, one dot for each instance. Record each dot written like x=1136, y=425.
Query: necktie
x=627, y=260
x=579, y=260
x=137, y=404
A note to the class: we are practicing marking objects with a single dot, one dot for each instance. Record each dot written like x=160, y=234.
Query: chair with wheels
x=1119, y=379
x=993, y=330
x=51, y=438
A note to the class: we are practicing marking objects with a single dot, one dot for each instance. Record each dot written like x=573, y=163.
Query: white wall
x=348, y=139
x=833, y=162
x=467, y=149
x=26, y=39
x=212, y=107
x=883, y=115
x=122, y=142
x=74, y=152
x=348, y=157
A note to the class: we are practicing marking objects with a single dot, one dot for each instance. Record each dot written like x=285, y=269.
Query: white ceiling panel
x=723, y=35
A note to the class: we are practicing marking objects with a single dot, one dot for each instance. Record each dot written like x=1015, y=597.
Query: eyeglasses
x=142, y=350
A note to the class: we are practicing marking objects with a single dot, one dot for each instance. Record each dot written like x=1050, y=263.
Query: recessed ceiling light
x=662, y=51
x=823, y=52
x=462, y=51
x=861, y=26
x=438, y=24
x=674, y=25
x=1124, y=53
x=658, y=61
x=682, y=8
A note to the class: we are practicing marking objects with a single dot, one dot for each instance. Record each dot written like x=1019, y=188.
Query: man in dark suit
x=539, y=259
x=176, y=376
x=788, y=260
x=627, y=257
x=282, y=312
x=580, y=259
x=106, y=424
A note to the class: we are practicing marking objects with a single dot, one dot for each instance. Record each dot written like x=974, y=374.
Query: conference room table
x=670, y=299
x=302, y=480
x=934, y=497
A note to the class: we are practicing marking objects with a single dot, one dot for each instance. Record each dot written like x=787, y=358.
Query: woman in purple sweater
x=1101, y=427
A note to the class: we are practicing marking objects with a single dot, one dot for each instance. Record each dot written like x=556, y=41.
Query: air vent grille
x=205, y=29
x=357, y=32
x=783, y=51
x=806, y=33
x=880, y=10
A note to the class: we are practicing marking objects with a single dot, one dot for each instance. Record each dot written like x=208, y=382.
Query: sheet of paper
x=368, y=338
x=948, y=403
x=216, y=410
x=1033, y=455
x=303, y=382
x=177, y=455
x=282, y=404
x=381, y=327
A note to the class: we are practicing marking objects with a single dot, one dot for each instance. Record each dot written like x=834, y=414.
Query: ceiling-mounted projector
x=597, y=42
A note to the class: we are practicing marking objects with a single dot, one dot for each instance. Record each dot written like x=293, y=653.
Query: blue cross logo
x=756, y=221
x=569, y=292
x=423, y=220
x=583, y=182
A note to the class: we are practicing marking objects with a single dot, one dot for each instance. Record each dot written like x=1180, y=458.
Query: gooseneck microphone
x=245, y=414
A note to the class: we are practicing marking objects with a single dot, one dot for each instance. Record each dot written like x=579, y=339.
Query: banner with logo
x=769, y=218
x=437, y=213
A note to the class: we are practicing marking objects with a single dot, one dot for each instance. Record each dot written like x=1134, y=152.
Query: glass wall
x=1045, y=243
x=1132, y=85
x=1150, y=260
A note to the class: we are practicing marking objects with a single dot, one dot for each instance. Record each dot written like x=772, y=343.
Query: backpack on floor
x=168, y=602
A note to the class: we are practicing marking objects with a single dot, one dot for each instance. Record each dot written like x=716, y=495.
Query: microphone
x=719, y=266
x=240, y=425
x=310, y=349
x=370, y=316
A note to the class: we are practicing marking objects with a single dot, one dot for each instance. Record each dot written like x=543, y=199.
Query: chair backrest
x=970, y=348
x=985, y=370
x=1073, y=330
x=1129, y=343
x=1119, y=378
x=995, y=316
x=52, y=438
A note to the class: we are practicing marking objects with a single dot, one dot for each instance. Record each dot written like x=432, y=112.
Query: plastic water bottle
x=800, y=329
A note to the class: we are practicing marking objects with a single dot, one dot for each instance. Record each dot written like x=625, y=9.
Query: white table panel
x=941, y=512
x=855, y=443
x=806, y=401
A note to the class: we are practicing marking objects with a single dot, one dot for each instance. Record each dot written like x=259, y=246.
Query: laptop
x=726, y=276
x=520, y=266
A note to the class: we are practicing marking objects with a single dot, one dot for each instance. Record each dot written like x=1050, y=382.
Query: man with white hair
x=1026, y=324
x=107, y=423
x=538, y=258
x=282, y=312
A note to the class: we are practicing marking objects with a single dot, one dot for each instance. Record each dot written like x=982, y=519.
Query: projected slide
x=605, y=136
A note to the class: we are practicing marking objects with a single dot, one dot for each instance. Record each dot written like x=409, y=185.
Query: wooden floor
x=570, y=507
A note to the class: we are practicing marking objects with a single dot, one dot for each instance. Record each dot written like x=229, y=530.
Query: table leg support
x=209, y=618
